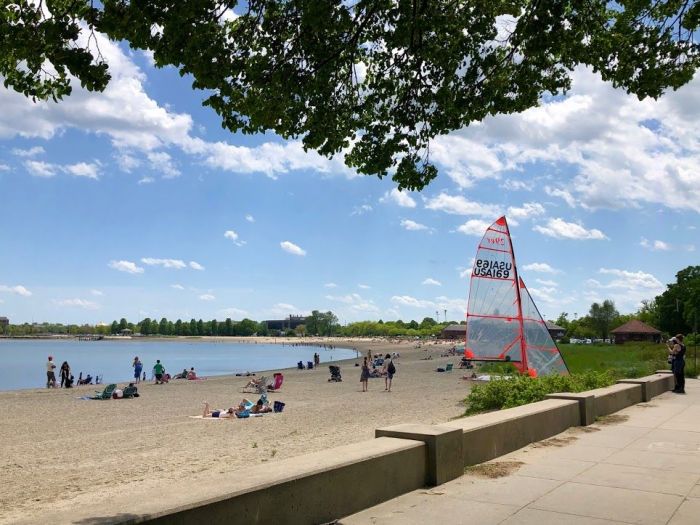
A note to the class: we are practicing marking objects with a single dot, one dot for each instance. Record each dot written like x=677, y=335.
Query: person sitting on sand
x=191, y=374
x=181, y=375
x=260, y=408
x=220, y=413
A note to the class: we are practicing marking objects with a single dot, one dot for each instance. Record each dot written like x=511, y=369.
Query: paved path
x=640, y=465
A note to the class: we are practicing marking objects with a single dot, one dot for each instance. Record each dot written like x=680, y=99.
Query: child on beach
x=158, y=371
x=364, y=375
x=138, y=367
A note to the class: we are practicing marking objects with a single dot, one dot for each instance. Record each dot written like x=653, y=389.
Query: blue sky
x=135, y=203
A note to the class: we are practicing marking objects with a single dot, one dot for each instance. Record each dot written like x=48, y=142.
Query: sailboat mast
x=523, y=345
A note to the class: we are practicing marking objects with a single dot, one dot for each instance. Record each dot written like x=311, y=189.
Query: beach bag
x=243, y=414
x=392, y=368
x=278, y=406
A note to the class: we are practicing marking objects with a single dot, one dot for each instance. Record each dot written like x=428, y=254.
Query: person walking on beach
x=65, y=374
x=138, y=367
x=389, y=371
x=676, y=349
x=50, y=375
x=158, y=371
x=364, y=375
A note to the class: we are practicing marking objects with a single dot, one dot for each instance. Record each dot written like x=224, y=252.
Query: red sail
x=503, y=323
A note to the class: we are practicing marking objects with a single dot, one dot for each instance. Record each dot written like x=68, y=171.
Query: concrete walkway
x=640, y=465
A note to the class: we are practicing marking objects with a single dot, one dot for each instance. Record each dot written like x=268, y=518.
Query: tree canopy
x=373, y=80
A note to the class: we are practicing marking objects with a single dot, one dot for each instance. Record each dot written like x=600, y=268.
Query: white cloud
x=546, y=282
x=355, y=302
x=40, y=168
x=292, y=248
x=177, y=286
x=330, y=285
x=474, y=227
x=407, y=300
x=526, y=211
x=517, y=185
x=364, y=286
x=560, y=229
x=97, y=293
x=250, y=218
x=283, y=310
x=361, y=210
x=146, y=180
x=163, y=163
x=431, y=281
x=626, y=288
x=165, y=263
x=458, y=205
x=399, y=197
x=127, y=163
x=632, y=280
x=31, y=152
x=196, y=266
x=345, y=299
x=17, y=290
x=80, y=303
x=654, y=246
x=232, y=235
x=125, y=266
x=234, y=312
x=207, y=297
x=413, y=226
x=540, y=267
x=562, y=194
x=83, y=169
x=4, y=167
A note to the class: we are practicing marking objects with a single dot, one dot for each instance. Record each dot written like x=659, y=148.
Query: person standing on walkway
x=138, y=367
x=50, y=374
x=158, y=371
x=65, y=374
x=676, y=349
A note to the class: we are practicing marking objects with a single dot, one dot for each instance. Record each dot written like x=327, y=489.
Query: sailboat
x=503, y=323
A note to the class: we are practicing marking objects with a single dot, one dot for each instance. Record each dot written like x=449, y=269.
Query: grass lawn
x=628, y=360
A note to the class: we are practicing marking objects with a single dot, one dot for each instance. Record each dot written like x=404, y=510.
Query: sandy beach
x=61, y=453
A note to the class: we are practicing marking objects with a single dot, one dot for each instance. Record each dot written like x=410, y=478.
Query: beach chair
x=256, y=386
x=106, y=393
x=279, y=379
x=309, y=365
x=335, y=374
x=300, y=365
x=129, y=391
x=448, y=368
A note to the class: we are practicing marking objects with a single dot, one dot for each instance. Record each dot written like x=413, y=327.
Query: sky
x=135, y=203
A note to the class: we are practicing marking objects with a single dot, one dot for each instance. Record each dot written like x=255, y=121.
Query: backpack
x=392, y=368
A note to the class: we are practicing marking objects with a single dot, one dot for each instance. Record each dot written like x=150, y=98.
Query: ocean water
x=24, y=360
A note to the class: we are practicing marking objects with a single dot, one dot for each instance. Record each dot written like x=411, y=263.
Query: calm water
x=24, y=360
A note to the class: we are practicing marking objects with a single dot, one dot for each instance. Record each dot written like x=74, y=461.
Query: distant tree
x=228, y=326
x=679, y=306
x=123, y=324
x=214, y=327
x=145, y=326
x=200, y=328
x=648, y=313
x=563, y=320
x=413, y=325
x=178, y=327
x=427, y=322
x=114, y=328
x=193, y=327
x=300, y=330
x=602, y=316
x=262, y=329
x=163, y=327
x=246, y=327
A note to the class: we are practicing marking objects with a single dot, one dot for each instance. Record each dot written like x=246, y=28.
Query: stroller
x=335, y=374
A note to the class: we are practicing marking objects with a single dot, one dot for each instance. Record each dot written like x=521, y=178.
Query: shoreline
x=61, y=452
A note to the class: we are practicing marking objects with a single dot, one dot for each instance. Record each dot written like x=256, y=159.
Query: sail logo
x=496, y=240
x=497, y=269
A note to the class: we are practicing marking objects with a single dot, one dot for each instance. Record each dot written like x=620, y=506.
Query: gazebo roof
x=635, y=327
x=552, y=326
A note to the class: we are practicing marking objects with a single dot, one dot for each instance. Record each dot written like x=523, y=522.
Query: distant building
x=126, y=331
x=286, y=324
x=454, y=331
x=635, y=330
x=556, y=331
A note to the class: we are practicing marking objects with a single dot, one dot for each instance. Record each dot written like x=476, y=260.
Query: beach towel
x=210, y=418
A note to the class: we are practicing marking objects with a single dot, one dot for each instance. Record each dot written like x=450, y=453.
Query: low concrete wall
x=652, y=385
x=316, y=488
x=487, y=436
x=616, y=397
x=328, y=485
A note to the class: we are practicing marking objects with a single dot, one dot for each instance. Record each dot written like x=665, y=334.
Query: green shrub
x=519, y=389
